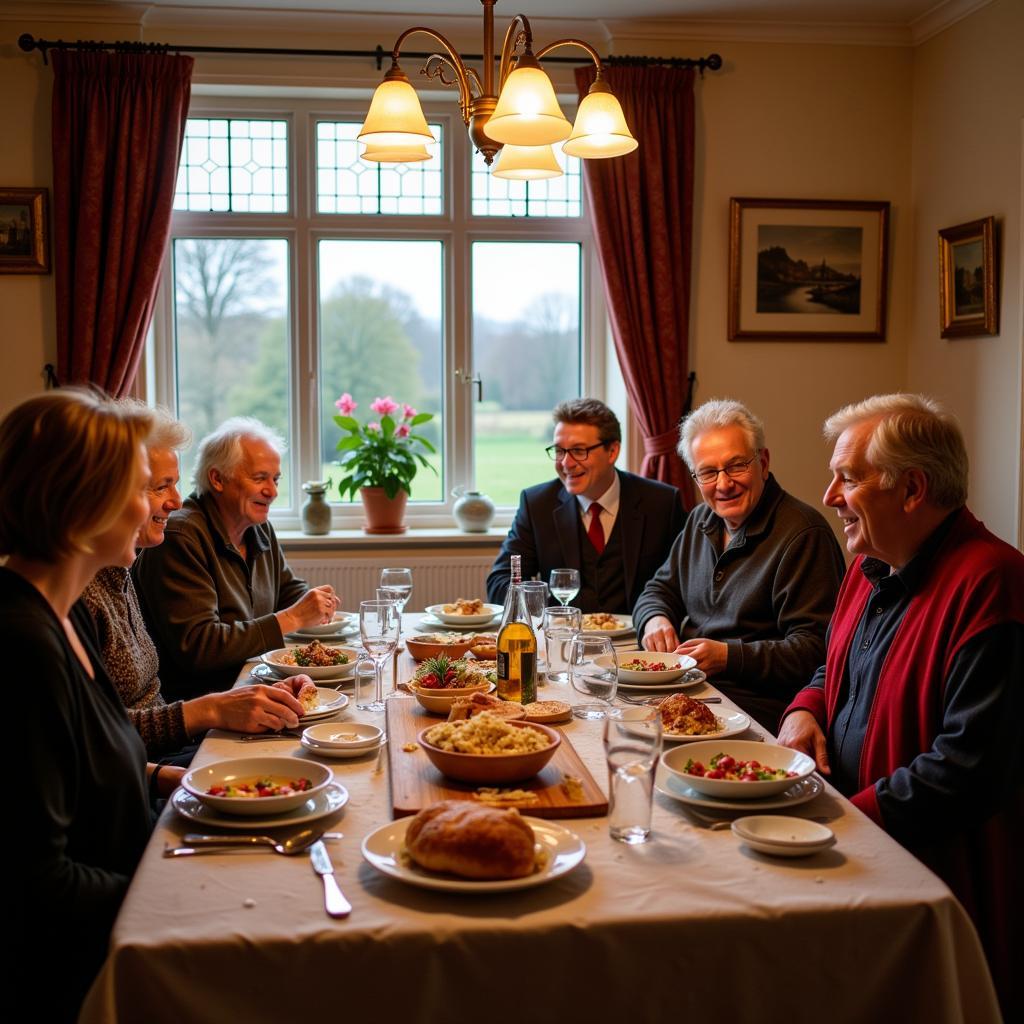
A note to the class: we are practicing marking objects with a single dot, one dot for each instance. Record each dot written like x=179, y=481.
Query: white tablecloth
x=692, y=923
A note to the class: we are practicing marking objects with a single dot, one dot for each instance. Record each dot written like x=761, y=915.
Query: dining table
x=692, y=924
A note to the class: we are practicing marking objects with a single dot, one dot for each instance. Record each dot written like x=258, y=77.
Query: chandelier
x=519, y=121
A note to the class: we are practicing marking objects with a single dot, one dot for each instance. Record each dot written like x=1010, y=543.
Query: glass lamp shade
x=395, y=117
x=527, y=163
x=395, y=154
x=600, y=129
x=528, y=113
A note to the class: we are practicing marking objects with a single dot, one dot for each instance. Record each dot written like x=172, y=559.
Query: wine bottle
x=517, y=644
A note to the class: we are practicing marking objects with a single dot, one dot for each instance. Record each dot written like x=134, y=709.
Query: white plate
x=340, y=622
x=624, y=630
x=733, y=723
x=382, y=850
x=329, y=800
x=670, y=785
x=681, y=664
x=782, y=836
x=331, y=702
x=490, y=612
x=334, y=636
x=693, y=678
x=339, y=752
x=265, y=674
x=432, y=624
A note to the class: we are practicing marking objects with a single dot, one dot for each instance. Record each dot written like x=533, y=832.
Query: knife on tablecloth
x=334, y=900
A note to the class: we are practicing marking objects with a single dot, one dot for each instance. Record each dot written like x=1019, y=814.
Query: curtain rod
x=28, y=43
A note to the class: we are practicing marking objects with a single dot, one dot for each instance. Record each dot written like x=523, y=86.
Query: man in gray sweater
x=750, y=584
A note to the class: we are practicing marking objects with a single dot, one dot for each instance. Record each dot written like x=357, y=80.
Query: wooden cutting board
x=416, y=783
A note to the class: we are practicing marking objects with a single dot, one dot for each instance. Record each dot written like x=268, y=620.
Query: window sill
x=421, y=537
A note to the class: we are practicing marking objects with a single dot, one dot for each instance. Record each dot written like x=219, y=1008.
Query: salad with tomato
x=723, y=766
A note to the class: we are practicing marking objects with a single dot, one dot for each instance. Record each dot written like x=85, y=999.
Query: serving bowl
x=487, y=768
x=439, y=702
x=678, y=665
x=490, y=610
x=420, y=647
x=274, y=660
x=741, y=750
x=246, y=770
x=334, y=735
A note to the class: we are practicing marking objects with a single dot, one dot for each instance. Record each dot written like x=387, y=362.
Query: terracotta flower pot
x=383, y=514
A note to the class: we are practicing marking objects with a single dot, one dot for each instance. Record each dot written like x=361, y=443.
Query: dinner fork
x=655, y=701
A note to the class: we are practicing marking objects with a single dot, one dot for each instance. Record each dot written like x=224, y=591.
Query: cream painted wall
x=967, y=110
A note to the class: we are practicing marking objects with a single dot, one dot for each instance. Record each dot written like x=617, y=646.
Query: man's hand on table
x=256, y=708
x=660, y=635
x=711, y=655
x=316, y=606
x=800, y=730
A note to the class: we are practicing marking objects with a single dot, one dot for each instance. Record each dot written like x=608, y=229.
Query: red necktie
x=596, y=530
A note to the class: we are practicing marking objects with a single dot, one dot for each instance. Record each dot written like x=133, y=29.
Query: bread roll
x=309, y=697
x=472, y=841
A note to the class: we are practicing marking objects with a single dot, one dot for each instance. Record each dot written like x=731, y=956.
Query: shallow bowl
x=439, y=702
x=274, y=660
x=331, y=735
x=490, y=610
x=678, y=665
x=337, y=623
x=742, y=750
x=484, y=769
x=421, y=649
x=246, y=769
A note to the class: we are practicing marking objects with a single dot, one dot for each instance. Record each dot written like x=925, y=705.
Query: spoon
x=201, y=844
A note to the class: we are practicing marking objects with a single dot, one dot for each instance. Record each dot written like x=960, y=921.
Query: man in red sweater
x=917, y=712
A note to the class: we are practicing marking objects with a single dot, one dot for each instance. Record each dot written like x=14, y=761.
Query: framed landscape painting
x=968, y=298
x=807, y=270
x=24, y=232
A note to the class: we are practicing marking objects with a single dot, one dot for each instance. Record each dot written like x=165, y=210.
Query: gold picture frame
x=808, y=269
x=24, y=231
x=968, y=291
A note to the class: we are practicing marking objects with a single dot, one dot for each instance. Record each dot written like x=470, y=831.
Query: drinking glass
x=536, y=593
x=399, y=581
x=565, y=584
x=365, y=676
x=632, y=746
x=593, y=672
x=560, y=625
x=378, y=629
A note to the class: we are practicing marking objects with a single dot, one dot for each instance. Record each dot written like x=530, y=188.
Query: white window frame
x=302, y=227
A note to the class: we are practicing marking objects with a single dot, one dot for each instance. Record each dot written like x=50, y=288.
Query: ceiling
x=821, y=12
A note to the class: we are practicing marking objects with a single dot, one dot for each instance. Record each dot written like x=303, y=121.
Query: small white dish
x=350, y=736
x=782, y=836
x=318, y=750
x=624, y=629
x=490, y=612
x=328, y=801
x=340, y=622
x=275, y=659
x=733, y=723
x=331, y=702
x=384, y=850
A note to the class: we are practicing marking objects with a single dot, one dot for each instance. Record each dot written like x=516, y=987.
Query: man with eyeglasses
x=750, y=583
x=614, y=527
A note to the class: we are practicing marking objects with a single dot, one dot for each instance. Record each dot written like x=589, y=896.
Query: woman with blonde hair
x=73, y=476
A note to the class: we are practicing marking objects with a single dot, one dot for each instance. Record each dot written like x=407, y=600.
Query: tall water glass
x=536, y=592
x=593, y=672
x=632, y=746
x=378, y=629
x=565, y=584
x=399, y=581
x=560, y=625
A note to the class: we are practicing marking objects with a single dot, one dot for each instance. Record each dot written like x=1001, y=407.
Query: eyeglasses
x=578, y=454
x=734, y=470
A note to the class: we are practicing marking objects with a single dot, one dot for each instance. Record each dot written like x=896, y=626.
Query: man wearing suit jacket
x=616, y=528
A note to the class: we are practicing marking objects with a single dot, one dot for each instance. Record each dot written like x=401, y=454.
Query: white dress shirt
x=609, y=502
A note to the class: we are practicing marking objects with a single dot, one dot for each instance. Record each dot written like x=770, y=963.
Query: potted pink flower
x=381, y=457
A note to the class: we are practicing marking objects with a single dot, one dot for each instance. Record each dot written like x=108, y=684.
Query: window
x=297, y=271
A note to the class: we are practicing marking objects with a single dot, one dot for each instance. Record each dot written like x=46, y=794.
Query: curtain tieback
x=661, y=444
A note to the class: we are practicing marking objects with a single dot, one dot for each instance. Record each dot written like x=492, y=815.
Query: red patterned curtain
x=641, y=208
x=118, y=124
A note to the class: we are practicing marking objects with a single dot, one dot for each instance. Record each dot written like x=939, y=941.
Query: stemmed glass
x=378, y=629
x=593, y=672
x=565, y=584
x=399, y=581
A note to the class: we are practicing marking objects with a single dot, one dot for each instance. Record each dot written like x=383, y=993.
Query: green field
x=506, y=463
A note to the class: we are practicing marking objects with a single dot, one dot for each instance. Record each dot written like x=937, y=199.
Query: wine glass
x=378, y=629
x=593, y=672
x=565, y=584
x=400, y=582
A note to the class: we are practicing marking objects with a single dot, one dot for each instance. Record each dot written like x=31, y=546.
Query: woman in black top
x=73, y=476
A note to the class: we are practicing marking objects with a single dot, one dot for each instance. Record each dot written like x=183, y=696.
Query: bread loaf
x=471, y=841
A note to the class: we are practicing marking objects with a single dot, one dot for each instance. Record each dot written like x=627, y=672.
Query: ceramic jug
x=316, y=513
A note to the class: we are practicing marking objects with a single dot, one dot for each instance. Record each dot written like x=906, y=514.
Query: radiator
x=434, y=580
